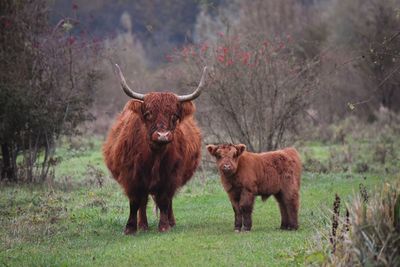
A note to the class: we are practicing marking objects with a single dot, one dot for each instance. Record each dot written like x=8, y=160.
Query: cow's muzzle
x=227, y=169
x=162, y=137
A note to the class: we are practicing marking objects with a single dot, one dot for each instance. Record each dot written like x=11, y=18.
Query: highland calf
x=245, y=175
x=153, y=148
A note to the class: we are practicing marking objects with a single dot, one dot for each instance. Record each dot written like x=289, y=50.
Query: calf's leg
x=283, y=210
x=234, y=198
x=246, y=208
x=291, y=203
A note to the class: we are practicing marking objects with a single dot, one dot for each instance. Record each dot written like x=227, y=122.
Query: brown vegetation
x=302, y=63
x=369, y=233
x=259, y=89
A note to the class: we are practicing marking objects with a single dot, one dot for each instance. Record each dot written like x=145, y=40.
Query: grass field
x=76, y=222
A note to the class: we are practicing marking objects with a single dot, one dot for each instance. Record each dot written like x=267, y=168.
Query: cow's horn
x=128, y=91
x=197, y=92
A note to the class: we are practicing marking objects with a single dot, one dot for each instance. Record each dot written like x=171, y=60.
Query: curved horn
x=128, y=91
x=197, y=92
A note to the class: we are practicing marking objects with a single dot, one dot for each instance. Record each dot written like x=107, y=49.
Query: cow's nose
x=164, y=136
x=226, y=167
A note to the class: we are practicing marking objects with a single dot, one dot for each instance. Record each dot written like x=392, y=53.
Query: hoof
x=143, y=227
x=289, y=227
x=237, y=230
x=163, y=229
x=129, y=231
x=172, y=224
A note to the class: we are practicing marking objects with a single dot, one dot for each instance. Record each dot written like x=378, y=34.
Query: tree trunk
x=7, y=171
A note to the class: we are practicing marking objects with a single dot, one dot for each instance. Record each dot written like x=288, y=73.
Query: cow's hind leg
x=291, y=203
x=283, y=210
x=131, y=225
x=142, y=221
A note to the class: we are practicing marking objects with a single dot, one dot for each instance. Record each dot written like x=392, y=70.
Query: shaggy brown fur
x=143, y=164
x=245, y=175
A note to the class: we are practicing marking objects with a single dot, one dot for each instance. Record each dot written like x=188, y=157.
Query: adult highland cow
x=154, y=148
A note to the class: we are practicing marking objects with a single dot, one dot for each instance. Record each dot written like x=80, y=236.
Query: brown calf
x=246, y=175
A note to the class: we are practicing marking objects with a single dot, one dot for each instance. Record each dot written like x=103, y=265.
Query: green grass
x=82, y=225
x=318, y=150
x=74, y=162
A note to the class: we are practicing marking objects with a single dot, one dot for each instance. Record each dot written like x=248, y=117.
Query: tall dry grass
x=373, y=235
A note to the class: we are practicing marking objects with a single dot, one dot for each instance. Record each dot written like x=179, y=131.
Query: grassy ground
x=76, y=222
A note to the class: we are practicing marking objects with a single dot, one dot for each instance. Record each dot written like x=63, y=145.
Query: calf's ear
x=212, y=149
x=240, y=149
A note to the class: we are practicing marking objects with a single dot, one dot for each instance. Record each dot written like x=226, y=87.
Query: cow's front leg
x=246, y=208
x=142, y=221
x=131, y=225
x=171, y=217
x=163, y=203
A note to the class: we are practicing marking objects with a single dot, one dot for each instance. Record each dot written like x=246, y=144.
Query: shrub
x=312, y=164
x=47, y=80
x=373, y=235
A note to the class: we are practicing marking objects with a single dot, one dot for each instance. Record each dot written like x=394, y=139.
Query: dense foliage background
x=322, y=75
x=280, y=68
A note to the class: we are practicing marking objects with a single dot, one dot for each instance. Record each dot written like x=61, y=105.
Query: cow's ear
x=212, y=149
x=240, y=149
x=134, y=105
x=188, y=109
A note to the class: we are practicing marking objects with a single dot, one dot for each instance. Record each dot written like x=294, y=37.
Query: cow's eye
x=174, y=118
x=147, y=116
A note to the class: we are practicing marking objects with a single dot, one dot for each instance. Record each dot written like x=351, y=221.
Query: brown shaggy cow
x=245, y=175
x=154, y=148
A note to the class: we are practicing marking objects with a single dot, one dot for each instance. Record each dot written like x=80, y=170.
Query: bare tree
x=258, y=91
